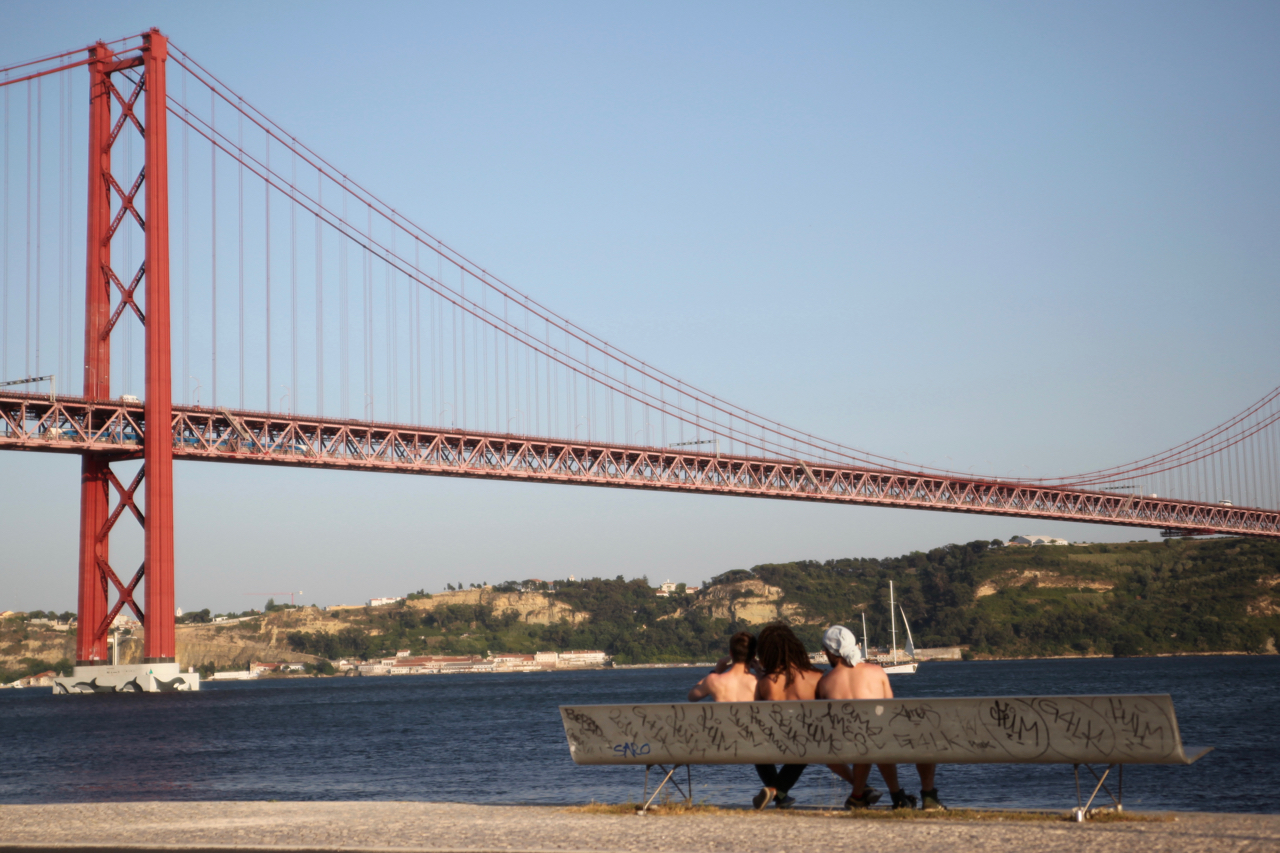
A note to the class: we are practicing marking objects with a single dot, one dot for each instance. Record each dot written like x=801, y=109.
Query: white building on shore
x=582, y=658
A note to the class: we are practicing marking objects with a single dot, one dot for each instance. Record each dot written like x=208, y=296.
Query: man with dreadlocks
x=788, y=674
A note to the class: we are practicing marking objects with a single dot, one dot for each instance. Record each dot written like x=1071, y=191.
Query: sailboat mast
x=866, y=649
x=893, y=626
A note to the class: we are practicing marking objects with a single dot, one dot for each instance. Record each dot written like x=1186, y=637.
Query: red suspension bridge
x=311, y=324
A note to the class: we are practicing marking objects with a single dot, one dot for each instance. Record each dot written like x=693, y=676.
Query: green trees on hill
x=1139, y=598
x=1133, y=599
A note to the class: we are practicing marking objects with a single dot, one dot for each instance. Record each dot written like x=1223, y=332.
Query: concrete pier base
x=127, y=678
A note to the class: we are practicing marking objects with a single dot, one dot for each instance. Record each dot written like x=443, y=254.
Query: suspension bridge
x=246, y=301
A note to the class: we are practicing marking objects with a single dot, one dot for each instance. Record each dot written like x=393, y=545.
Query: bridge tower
x=141, y=106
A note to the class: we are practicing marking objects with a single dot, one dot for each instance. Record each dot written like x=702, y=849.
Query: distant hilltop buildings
x=664, y=590
x=1037, y=540
x=669, y=589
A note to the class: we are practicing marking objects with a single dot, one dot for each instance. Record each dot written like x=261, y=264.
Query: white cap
x=840, y=641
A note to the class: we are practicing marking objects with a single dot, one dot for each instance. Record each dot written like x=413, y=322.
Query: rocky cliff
x=533, y=608
x=752, y=601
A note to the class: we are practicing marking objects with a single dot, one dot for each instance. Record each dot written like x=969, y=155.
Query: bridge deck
x=116, y=429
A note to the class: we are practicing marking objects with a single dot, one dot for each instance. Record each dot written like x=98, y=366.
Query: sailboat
x=910, y=666
x=866, y=649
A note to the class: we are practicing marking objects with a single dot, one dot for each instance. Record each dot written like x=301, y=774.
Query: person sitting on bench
x=852, y=678
x=787, y=675
x=732, y=680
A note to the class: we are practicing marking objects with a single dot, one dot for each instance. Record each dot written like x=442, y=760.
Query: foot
x=929, y=801
x=762, y=799
x=865, y=800
x=784, y=801
x=902, y=800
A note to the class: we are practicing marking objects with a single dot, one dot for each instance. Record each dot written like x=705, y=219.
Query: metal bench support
x=686, y=791
x=1082, y=809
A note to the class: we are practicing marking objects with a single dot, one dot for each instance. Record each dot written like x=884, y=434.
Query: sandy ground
x=454, y=827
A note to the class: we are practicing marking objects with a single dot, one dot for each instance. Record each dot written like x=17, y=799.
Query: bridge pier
x=127, y=678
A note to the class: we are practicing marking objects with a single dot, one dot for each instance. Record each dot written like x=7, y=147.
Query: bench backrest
x=1020, y=729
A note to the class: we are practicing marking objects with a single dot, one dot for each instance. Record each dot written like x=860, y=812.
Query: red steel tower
x=141, y=107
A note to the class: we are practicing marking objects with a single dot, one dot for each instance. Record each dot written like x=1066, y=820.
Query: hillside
x=1179, y=596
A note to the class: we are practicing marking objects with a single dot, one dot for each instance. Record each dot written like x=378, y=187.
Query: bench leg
x=688, y=794
x=1082, y=808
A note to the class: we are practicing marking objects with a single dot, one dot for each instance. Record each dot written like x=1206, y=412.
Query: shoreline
x=696, y=665
x=1118, y=657
x=702, y=664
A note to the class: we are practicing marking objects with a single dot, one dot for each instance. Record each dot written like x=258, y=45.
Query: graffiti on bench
x=1046, y=729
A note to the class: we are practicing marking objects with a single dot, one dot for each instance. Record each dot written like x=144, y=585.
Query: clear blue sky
x=1026, y=238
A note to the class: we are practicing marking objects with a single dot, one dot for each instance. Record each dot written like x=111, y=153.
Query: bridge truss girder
x=75, y=425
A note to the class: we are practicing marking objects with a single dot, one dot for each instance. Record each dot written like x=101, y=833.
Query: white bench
x=1076, y=730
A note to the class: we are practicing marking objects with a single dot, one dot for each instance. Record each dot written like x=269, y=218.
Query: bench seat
x=1112, y=730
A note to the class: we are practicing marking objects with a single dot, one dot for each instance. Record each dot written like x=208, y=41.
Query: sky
x=1017, y=239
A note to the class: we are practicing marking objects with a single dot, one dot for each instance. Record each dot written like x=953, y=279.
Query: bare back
x=863, y=681
x=773, y=688
x=736, y=684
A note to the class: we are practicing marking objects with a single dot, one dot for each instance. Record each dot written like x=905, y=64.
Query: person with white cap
x=850, y=677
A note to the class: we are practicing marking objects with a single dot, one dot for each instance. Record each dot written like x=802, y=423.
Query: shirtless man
x=852, y=678
x=787, y=675
x=732, y=680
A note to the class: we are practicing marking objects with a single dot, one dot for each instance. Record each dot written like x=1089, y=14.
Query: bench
x=1109, y=731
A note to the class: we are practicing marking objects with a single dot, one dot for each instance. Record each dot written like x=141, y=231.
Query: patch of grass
x=985, y=815
x=1129, y=817
x=670, y=807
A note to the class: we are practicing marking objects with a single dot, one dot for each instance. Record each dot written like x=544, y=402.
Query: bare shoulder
x=836, y=683
x=767, y=687
x=825, y=683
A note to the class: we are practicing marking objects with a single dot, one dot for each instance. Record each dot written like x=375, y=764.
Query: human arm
x=700, y=691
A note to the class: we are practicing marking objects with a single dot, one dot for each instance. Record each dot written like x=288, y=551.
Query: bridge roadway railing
x=116, y=428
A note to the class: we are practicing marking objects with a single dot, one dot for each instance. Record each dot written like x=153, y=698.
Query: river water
x=488, y=738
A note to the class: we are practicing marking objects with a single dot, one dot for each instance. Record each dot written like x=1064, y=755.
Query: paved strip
x=389, y=827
